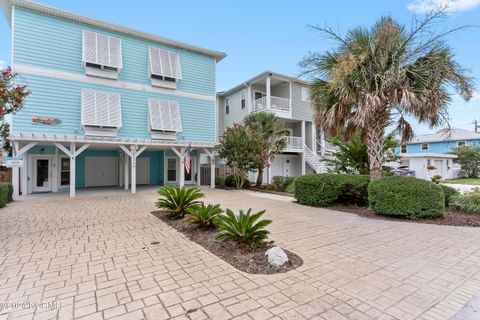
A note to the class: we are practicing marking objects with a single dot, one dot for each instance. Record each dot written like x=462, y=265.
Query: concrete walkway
x=93, y=256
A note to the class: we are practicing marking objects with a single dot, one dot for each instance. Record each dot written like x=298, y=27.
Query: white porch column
x=181, y=183
x=269, y=172
x=211, y=154
x=303, y=133
x=304, y=164
x=322, y=143
x=125, y=171
x=249, y=98
x=199, y=169
x=304, y=167
x=133, y=158
x=20, y=152
x=267, y=85
x=314, y=137
x=72, y=154
x=72, y=170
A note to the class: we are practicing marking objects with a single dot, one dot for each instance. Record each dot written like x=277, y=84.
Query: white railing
x=276, y=103
x=294, y=142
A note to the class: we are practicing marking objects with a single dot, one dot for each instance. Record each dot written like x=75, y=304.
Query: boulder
x=276, y=257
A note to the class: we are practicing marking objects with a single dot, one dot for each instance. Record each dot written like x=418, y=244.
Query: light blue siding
x=53, y=43
x=62, y=99
x=436, y=147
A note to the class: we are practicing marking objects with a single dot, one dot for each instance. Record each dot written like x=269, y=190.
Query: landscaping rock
x=276, y=257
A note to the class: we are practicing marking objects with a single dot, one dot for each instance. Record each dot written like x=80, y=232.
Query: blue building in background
x=109, y=105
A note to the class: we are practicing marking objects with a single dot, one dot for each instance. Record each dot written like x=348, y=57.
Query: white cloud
x=422, y=6
x=475, y=96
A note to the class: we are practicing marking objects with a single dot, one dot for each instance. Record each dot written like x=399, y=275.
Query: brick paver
x=93, y=256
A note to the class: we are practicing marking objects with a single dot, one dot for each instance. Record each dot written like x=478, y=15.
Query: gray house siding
x=301, y=110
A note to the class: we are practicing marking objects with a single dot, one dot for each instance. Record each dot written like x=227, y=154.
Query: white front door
x=42, y=174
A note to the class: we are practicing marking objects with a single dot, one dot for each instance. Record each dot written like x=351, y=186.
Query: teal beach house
x=109, y=105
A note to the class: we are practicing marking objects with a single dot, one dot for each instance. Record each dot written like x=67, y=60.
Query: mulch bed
x=451, y=217
x=245, y=260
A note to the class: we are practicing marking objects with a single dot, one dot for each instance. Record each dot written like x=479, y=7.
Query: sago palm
x=269, y=132
x=177, y=200
x=380, y=76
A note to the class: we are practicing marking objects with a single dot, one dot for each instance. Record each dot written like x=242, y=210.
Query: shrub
x=177, y=200
x=468, y=203
x=281, y=183
x=3, y=194
x=291, y=187
x=448, y=192
x=230, y=180
x=203, y=215
x=10, y=192
x=407, y=197
x=243, y=228
x=219, y=181
x=327, y=189
x=436, y=178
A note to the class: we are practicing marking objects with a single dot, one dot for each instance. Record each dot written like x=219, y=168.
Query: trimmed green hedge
x=328, y=189
x=4, y=194
x=407, y=197
x=449, y=192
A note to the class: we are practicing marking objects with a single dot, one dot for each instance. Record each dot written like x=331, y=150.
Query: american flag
x=187, y=160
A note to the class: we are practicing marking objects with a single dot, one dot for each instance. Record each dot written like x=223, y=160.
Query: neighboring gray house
x=288, y=98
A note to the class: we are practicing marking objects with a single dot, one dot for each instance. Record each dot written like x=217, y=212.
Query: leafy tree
x=469, y=159
x=268, y=132
x=12, y=95
x=352, y=155
x=378, y=76
x=5, y=133
x=240, y=151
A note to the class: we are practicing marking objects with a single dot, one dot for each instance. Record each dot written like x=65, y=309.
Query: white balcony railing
x=294, y=142
x=276, y=103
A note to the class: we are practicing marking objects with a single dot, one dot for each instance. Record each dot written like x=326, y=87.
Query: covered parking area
x=62, y=163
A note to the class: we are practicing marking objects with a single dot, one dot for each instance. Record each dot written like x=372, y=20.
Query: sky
x=276, y=35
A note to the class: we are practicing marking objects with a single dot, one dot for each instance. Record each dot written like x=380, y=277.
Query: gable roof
x=453, y=134
x=6, y=6
x=261, y=75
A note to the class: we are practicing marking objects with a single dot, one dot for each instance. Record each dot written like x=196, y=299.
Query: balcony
x=279, y=106
x=293, y=143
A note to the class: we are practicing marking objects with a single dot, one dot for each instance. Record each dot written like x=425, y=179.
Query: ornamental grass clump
x=468, y=203
x=245, y=228
x=176, y=200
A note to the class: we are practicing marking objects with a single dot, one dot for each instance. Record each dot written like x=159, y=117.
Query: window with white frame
x=305, y=94
x=243, y=100
x=403, y=148
x=64, y=171
x=164, y=118
x=227, y=105
x=101, y=112
x=164, y=67
x=461, y=143
x=424, y=146
x=102, y=55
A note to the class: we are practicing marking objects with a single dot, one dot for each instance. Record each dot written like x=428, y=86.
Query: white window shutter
x=101, y=109
x=102, y=49
x=165, y=63
x=164, y=115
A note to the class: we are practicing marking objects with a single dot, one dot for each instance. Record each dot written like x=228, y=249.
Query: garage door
x=101, y=171
x=143, y=170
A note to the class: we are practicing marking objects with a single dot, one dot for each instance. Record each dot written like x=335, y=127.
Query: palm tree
x=269, y=132
x=381, y=76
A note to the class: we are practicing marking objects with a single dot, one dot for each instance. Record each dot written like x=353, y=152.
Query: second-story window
x=403, y=148
x=424, y=146
x=101, y=113
x=164, y=68
x=164, y=119
x=227, y=105
x=305, y=94
x=243, y=101
x=102, y=55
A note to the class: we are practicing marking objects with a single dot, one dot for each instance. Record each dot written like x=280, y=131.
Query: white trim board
x=56, y=74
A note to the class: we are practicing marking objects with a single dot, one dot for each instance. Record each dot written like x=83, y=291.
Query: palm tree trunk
x=260, y=177
x=375, y=151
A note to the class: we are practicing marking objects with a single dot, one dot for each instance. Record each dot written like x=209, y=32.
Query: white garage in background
x=143, y=170
x=101, y=171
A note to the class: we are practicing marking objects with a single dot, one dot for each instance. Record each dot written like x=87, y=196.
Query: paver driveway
x=94, y=254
